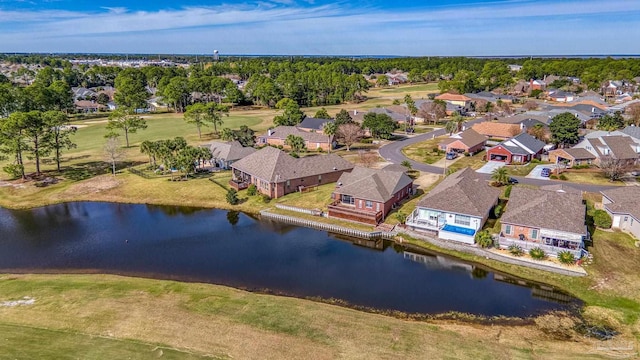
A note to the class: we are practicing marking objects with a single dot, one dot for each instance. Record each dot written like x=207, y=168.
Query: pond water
x=230, y=248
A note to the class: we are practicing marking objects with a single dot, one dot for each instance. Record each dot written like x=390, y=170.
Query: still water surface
x=233, y=249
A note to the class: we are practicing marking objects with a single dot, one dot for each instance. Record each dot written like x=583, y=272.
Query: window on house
x=534, y=233
x=368, y=204
x=319, y=179
x=626, y=218
x=462, y=220
x=507, y=230
x=346, y=199
x=288, y=183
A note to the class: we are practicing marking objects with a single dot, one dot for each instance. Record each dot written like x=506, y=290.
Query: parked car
x=635, y=173
x=451, y=155
x=513, y=181
x=546, y=172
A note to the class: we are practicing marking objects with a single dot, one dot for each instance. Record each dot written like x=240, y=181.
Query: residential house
x=456, y=208
x=276, y=173
x=455, y=99
x=515, y=67
x=537, y=85
x=624, y=208
x=519, y=149
x=561, y=96
x=450, y=108
x=615, y=144
x=310, y=124
x=396, y=114
x=467, y=141
x=368, y=195
x=490, y=97
x=496, y=130
x=571, y=156
x=226, y=153
x=312, y=140
x=553, y=221
x=633, y=131
x=82, y=93
x=88, y=106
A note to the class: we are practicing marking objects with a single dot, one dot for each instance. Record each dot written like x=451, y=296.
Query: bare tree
x=349, y=134
x=433, y=111
x=633, y=111
x=367, y=158
x=113, y=152
x=614, y=168
x=530, y=105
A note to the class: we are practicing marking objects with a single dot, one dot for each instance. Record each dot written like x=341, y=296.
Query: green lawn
x=424, y=151
x=594, y=176
x=431, y=87
x=24, y=342
x=475, y=162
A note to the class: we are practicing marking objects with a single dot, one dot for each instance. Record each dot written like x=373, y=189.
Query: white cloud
x=268, y=28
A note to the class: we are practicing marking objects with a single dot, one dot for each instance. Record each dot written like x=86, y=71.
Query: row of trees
x=175, y=154
x=34, y=135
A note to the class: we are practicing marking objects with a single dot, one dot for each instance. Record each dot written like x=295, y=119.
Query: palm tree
x=145, y=148
x=407, y=164
x=330, y=129
x=459, y=120
x=500, y=176
x=451, y=126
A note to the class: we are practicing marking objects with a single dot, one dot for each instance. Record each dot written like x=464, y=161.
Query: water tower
x=215, y=55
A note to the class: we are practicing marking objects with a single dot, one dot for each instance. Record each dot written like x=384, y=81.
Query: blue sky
x=318, y=27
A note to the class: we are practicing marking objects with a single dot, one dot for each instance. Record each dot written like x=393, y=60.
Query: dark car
x=513, y=181
x=451, y=155
x=546, y=172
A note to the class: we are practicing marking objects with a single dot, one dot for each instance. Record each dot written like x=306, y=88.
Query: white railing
x=527, y=245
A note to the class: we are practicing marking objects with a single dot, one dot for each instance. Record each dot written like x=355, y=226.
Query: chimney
x=269, y=132
x=355, y=112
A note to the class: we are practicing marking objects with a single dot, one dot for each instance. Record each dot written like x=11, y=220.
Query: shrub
x=582, y=166
x=396, y=102
x=14, y=170
x=516, y=250
x=537, y=253
x=507, y=191
x=562, y=177
x=497, y=210
x=232, y=197
x=601, y=219
x=535, y=161
x=265, y=198
x=401, y=217
x=484, y=239
x=294, y=154
x=553, y=177
x=566, y=257
x=435, y=150
x=367, y=141
x=252, y=190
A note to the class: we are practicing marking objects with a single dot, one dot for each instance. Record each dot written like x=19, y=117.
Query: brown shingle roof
x=277, y=166
x=472, y=138
x=452, y=97
x=372, y=184
x=546, y=209
x=621, y=147
x=494, y=129
x=624, y=200
x=579, y=153
x=463, y=192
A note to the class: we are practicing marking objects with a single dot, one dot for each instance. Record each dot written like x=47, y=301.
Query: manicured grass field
x=424, y=151
x=110, y=317
x=590, y=177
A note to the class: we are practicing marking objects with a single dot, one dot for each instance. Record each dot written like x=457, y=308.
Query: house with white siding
x=624, y=208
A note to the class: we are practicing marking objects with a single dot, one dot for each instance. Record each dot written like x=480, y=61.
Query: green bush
x=265, y=198
x=583, y=166
x=232, y=197
x=537, y=253
x=484, y=239
x=14, y=170
x=507, y=191
x=535, y=161
x=396, y=102
x=553, y=177
x=497, y=211
x=516, y=250
x=601, y=219
x=562, y=177
x=252, y=190
x=435, y=150
x=367, y=141
x=566, y=257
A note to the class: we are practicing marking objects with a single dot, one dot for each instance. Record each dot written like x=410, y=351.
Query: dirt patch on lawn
x=425, y=180
x=94, y=185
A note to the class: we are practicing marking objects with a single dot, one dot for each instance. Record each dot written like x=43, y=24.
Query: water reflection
x=231, y=248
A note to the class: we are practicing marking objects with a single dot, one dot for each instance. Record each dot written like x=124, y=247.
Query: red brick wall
x=499, y=150
x=516, y=230
x=280, y=189
x=311, y=146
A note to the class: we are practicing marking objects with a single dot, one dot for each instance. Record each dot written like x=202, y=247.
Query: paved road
x=392, y=152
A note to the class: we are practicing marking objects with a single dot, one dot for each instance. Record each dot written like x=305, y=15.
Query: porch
x=238, y=185
x=338, y=209
x=554, y=247
x=420, y=223
x=239, y=180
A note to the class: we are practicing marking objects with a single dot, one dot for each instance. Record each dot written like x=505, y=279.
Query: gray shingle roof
x=277, y=166
x=463, y=192
x=281, y=132
x=230, y=151
x=579, y=153
x=633, y=131
x=523, y=144
x=546, y=209
x=372, y=184
x=622, y=147
x=624, y=200
x=314, y=123
x=471, y=137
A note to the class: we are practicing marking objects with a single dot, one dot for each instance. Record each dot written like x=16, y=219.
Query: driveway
x=490, y=166
x=535, y=173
